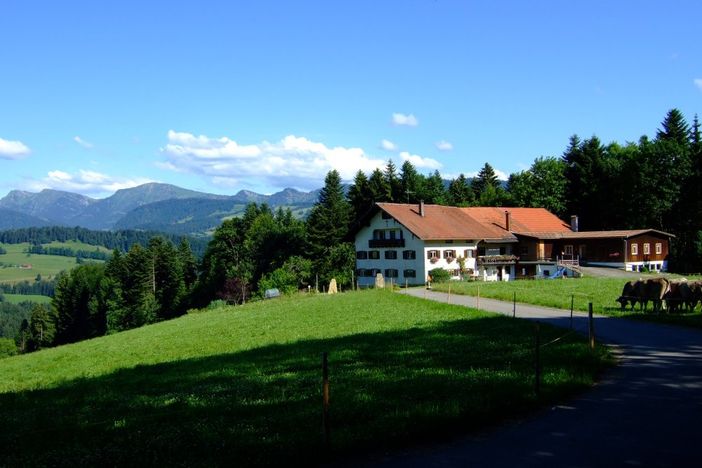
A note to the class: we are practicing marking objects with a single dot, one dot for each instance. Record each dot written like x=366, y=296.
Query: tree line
x=121, y=240
x=654, y=183
x=96, y=254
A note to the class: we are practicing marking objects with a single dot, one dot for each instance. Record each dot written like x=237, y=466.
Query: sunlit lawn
x=558, y=293
x=242, y=385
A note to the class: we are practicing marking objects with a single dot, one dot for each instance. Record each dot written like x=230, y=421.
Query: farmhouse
x=403, y=242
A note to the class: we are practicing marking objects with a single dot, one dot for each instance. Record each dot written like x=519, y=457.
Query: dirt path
x=645, y=412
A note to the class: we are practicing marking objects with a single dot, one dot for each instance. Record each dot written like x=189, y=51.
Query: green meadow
x=559, y=293
x=242, y=385
x=45, y=265
x=17, y=298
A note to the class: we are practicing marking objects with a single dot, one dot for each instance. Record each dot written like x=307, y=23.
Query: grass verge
x=242, y=385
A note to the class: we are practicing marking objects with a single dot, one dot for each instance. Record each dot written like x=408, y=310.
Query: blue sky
x=223, y=96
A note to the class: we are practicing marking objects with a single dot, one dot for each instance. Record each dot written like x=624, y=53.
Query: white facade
x=387, y=247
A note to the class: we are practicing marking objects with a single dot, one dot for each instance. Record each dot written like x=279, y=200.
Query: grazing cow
x=696, y=287
x=682, y=294
x=628, y=295
x=653, y=290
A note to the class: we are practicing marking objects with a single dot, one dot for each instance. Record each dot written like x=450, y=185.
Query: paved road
x=645, y=412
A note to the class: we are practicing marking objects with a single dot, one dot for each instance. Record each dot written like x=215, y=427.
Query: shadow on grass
x=263, y=406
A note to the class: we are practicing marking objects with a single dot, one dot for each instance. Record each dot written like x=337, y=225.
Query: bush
x=439, y=275
x=7, y=347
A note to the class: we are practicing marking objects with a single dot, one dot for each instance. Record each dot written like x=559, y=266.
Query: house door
x=582, y=251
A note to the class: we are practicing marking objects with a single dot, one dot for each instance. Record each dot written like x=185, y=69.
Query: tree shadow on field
x=263, y=406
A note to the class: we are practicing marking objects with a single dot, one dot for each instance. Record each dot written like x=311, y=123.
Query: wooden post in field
x=325, y=399
x=537, y=361
x=590, y=326
x=316, y=283
x=514, y=304
x=572, y=299
x=477, y=300
x=448, y=300
x=353, y=279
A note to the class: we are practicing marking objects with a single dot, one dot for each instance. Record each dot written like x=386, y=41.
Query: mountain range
x=153, y=206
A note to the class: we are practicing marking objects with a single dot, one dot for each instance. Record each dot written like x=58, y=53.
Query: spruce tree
x=328, y=222
x=378, y=187
x=460, y=192
x=359, y=195
x=411, y=183
x=392, y=182
x=674, y=128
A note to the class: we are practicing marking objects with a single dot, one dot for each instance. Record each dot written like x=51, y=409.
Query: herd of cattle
x=677, y=294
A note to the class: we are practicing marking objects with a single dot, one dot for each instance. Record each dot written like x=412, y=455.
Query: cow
x=652, y=290
x=628, y=295
x=696, y=287
x=676, y=296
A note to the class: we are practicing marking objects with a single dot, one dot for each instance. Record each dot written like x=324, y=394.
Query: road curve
x=645, y=412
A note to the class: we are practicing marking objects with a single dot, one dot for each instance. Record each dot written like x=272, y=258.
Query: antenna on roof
x=408, y=191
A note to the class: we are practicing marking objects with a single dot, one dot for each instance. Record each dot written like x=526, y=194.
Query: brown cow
x=653, y=290
x=696, y=287
x=628, y=295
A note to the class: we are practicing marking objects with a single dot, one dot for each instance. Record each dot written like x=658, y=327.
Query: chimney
x=421, y=208
x=507, y=216
x=574, y=223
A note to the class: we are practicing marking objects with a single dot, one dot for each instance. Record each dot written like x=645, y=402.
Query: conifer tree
x=359, y=195
x=674, y=128
x=392, y=182
x=378, y=187
x=460, y=193
x=328, y=224
x=411, y=183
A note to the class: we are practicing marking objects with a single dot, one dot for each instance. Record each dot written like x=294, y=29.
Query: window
x=391, y=273
x=391, y=255
x=409, y=254
x=659, y=248
x=568, y=250
x=433, y=254
x=378, y=234
x=361, y=255
x=361, y=272
x=410, y=273
x=634, y=249
x=449, y=254
x=503, y=250
x=647, y=248
x=469, y=253
x=374, y=254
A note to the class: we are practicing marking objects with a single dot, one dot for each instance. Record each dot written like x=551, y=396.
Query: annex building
x=403, y=242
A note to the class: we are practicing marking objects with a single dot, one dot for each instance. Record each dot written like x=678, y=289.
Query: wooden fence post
x=514, y=305
x=477, y=305
x=591, y=326
x=325, y=399
x=448, y=300
x=572, y=299
x=537, y=361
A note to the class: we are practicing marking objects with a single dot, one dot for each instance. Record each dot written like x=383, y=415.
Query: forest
x=653, y=183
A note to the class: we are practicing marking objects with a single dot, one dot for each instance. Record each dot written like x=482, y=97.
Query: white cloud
x=85, y=182
x=291, y=162
x=82, y=142
x=10, y=149
x=408, y=120
x=388, y=145
x=420, y=162
x=698, y=82
x=444, y=145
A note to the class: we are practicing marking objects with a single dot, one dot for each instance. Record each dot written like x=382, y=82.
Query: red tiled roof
x=448, y=222
x=488, y=223
x=443, y=223
x=521, y=219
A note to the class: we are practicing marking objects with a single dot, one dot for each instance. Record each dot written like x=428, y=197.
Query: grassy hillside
x=241, y=385
x=46, y=265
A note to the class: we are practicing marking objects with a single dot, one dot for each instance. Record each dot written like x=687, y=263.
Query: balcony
x=497, y=260
x=385, y=243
